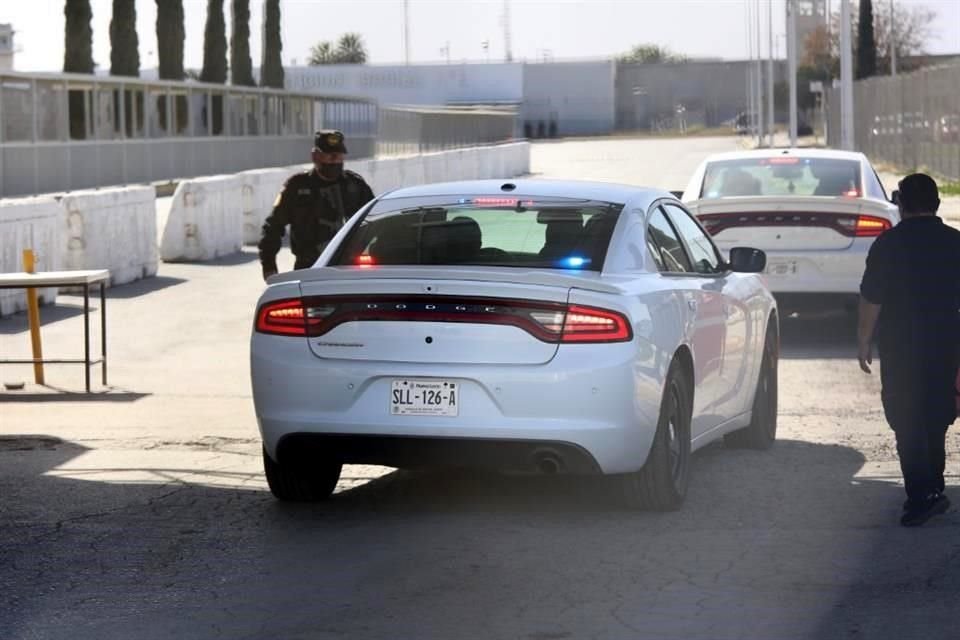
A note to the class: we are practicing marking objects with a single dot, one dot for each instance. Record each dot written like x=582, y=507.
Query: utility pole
x=846, y=79
x=893, y=41
x=506, y=30
x=770, y=105
x=751, y=98
x=406, y=31
x=792, y=67
x=759, y=78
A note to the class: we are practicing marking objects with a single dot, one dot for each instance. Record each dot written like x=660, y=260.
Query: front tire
x=761, y=433
x=301, y=479
x=661, y=485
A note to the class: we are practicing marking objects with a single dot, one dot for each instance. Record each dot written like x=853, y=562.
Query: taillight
x=547, y=321
x=587, y=324
x=845, y=224
x=871, y=227
x=290, y=318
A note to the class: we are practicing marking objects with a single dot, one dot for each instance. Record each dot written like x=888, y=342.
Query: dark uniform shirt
x=315, y=209
x=913, y=271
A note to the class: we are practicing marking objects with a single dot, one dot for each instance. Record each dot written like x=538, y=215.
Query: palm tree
x=321, y=53
x=351, y=50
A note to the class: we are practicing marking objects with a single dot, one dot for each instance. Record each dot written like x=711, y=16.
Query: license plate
x=435, y=397
x=781, y=268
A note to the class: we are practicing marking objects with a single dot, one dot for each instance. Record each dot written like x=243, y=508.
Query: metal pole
x=770, y=105
x=406, y=32
x=759, y=79
x=792, y=67
x=893, y=41
x=86, y=335
x=846, y=78
x=103, y=330
x=751, y=98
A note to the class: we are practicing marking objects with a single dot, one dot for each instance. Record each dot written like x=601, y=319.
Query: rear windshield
x=484, y=231
x=782, y=176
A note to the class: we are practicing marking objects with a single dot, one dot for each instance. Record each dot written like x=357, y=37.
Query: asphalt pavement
x=141, y=511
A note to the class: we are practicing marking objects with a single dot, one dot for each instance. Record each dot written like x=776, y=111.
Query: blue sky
x=558, y=28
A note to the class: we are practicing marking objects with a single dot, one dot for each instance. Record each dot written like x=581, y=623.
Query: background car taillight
x=546, y=321
x=870, y=226
x=857, y=226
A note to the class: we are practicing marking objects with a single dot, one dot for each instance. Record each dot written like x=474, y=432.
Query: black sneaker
x=909, y=503
x=917, y=514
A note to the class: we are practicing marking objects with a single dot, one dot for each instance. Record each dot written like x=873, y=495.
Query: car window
x=781, y=176
x=666, y=244
x=874, y=188
x=703, y=253
x=504, y=232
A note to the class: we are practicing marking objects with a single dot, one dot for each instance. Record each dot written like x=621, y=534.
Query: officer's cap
x=329, y=141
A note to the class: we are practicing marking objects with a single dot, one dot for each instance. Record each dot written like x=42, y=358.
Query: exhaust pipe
x=547, y=462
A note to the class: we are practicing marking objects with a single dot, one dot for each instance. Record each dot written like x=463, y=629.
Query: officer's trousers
x=922, y=452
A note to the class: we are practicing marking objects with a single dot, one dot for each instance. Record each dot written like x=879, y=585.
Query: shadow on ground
x=819, y=336
x=787, y=543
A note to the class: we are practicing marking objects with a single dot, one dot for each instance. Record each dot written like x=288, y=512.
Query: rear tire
x=301, y=479
x=761, y=433
x=661, y=485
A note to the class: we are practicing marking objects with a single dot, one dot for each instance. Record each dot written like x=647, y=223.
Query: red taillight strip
x=284, y=317
x=849, y=225
x=547, y=321
x=588, y=324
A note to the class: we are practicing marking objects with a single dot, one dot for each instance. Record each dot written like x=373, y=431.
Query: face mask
x=331, y=171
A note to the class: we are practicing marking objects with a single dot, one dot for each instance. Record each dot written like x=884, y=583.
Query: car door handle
x=692, y=304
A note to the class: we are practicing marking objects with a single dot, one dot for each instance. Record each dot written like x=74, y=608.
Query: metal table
x=85, y=279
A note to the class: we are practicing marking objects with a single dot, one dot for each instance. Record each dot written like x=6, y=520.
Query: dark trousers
x=922, y=452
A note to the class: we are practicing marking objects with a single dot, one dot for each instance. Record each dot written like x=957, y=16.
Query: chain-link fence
x=911, y=121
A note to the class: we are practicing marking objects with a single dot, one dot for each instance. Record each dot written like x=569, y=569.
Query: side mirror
x=747, y=260
x=895, y=197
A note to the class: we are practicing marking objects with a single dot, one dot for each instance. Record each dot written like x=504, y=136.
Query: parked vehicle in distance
x=524, y=326
x=814, y=212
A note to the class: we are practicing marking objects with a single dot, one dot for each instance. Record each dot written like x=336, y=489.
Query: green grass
x=949, y=188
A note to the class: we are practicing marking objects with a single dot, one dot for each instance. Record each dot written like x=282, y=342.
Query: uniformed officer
x=912, y=287
x=315, y=204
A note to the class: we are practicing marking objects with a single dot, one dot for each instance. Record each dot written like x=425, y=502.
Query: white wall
x=437, y=84
x=29, y=223
x=578, y=96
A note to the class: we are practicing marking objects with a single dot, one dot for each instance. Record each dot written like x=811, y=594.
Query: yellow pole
x=33, y=314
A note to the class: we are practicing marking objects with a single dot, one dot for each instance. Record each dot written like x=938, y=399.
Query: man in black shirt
x=315, y=204
x=911, y=286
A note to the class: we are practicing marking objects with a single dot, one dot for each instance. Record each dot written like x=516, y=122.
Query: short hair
x=919, y=194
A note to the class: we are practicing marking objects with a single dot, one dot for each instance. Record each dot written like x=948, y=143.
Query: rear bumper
x=512, y=456
x=834, y=272
x=594, y=400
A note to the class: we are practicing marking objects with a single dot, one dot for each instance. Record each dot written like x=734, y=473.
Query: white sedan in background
x=529, y=327
x=814, y=212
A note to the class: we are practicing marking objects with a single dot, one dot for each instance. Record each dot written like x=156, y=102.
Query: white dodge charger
x=528, y=327
x=814, y=212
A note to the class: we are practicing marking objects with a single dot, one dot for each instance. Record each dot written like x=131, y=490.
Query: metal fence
x=61, y=132
x=911, y=121
x=405, y=130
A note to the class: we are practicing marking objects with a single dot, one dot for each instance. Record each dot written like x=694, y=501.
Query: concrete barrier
x=211, y=217
x=111, y=229
x=259, y=190
x=29, y=223
x=205, y=220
